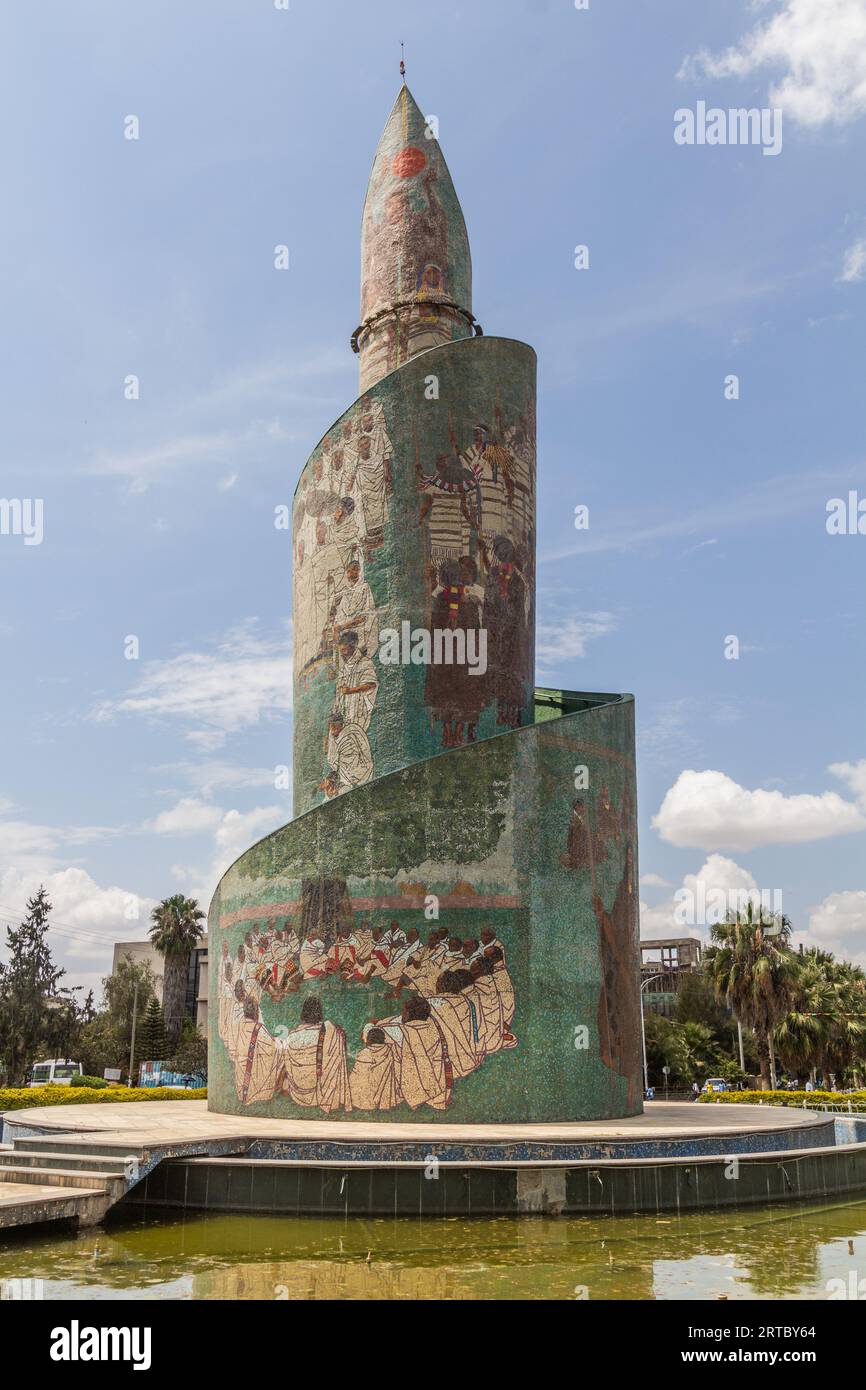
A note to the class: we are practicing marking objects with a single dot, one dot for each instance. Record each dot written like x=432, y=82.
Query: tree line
x=802, y=1012
x=41, y=1017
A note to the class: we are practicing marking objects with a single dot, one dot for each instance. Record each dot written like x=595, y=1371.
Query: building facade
x=665, y=963
x=196, y=981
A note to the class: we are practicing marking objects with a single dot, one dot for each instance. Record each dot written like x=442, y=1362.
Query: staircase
x=81, y=1177
x=45, y=1179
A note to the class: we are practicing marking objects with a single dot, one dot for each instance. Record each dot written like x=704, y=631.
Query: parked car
x=714, y=1083
x=58, y=1071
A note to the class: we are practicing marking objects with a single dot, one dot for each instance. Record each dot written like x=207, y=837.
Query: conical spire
x=416, y=270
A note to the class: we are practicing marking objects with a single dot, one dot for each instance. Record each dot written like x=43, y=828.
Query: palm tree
x=753, y=972
x=176, y=930
x=826, y=1028
x=848, y=1017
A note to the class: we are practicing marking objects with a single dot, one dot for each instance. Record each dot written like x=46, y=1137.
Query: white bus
x=59, y=1071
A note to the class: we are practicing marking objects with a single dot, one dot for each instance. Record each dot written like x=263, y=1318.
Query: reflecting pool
x=760, y=1253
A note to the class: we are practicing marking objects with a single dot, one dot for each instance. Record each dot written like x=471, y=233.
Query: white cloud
x=716, y=875
x=241, y=829
x=191, y=430
x=816, y=48
x=854, y=264
x=654, y=881
x=236, y=832
x=656, y=922
x=854, y=775
x=838, y=924
x=281, y=382
x=189, y=817
x=22, y=839
x=242, y=682
x=86, y=918
x=708, y=810
x=207, y=777
x=720, y=873
x=790, y=494
x=566, y=639
x=182, y=873
x=142, y=466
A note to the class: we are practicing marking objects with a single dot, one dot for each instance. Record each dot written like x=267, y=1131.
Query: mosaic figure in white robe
x=328, y=570
x=357, y=682
x=373, y=472
x=344, y=530
x=349, y=757
x=356, y=611
x=307, y=640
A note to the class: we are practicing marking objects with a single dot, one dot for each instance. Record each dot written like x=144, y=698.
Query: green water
x=767, y=1253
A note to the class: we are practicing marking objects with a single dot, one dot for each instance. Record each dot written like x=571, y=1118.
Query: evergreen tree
x=130, y=978
x=191, y=1055
x=152, y=1047
x=34, y=1013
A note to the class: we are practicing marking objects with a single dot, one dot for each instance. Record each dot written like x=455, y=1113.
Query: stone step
x=90, y=1162
x=25, y=1204
x=69, y=1144
x=113, y=1184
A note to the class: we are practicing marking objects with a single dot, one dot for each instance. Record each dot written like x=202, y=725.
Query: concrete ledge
x=169, y=1121
x=30, y=1205
x=413, y=1188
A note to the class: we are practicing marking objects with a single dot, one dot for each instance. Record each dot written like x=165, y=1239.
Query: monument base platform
x=683, y=1126
x=673, y=1156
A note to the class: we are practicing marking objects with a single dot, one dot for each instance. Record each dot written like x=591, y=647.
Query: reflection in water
x=781, y=1252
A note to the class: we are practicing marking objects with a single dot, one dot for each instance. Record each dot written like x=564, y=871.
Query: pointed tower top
x=416, y=269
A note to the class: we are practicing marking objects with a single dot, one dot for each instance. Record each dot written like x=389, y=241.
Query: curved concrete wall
x=491, y=836
x=425, y=503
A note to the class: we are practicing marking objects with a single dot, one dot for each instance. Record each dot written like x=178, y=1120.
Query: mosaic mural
x=457, y=1011
x=442, y=942
x=413, y=521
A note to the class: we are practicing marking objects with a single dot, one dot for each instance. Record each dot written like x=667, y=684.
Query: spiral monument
x=447, y=930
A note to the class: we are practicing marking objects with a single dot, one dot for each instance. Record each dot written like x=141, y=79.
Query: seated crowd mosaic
x=453, y=1008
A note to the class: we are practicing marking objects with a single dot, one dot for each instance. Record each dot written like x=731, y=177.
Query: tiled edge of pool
x=815, y=1136
x=616, y=1187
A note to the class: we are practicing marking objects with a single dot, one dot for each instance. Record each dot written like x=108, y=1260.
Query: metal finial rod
x=402, y=64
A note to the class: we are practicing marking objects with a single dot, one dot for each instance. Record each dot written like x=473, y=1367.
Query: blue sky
x=125, y=780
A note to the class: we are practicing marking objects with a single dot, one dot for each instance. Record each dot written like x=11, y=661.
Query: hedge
x=792, y=1098
x=21, y=1098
